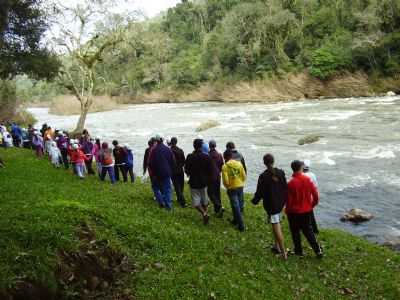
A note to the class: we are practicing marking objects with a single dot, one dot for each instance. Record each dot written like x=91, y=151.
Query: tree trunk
x=82, y=118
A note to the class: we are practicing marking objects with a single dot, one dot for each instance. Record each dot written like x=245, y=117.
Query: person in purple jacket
x=161, y=165
x=214, y=187
x=62, y=144
x=87, y=148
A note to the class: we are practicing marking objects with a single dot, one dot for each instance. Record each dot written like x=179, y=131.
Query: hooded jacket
x=233, y=175
x=199, y=168
x=272, y=189
x=161, y=162
x=302, y=194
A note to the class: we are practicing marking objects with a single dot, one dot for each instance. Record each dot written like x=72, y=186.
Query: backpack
x=106, y=158
x=129, y=158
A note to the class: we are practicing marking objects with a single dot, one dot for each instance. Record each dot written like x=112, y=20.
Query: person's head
x=212, y=144
x=197, y=144
x=60, y=133
x=268, y=160
x=227, y=155
x=85, y=132
x=297, y=166
x=49, y=127
x=98, y=142
x=53, y=144
x=158, y=139
x=75, y=146
x=115, y=143
x=307, y=165
x=205, y=148
x=150, y=142
x=174, y=141
x=104, y=146
x=230, y=146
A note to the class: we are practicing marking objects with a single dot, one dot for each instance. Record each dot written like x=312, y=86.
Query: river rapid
x=356, y=161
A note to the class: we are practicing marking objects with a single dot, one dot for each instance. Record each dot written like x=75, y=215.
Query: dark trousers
x=89, y=166
x=178, y=180
x=302, y=223
x=214, y=193
x=129, y=171
x=64, y=157
x=314, y=223
x=110, y=171
x=117, y=169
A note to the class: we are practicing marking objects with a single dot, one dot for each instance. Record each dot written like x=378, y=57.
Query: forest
x=221, y=42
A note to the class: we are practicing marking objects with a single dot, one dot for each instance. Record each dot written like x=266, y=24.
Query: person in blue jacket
x=161, y=165
x=129, y=163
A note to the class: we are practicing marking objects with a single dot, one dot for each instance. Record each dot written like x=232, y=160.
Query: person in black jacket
x=214, y=188
x=198, y=167
x=272, y=188
x=120, y=155
x=178, y=175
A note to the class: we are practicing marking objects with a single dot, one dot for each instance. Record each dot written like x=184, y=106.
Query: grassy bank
x=175, y=256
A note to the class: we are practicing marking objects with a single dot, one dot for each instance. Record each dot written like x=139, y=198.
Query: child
x=107, y=164
x=272, y=188
x=234, y=177
x=37, y=142
x=78, y=158
x=55, y=155
x=129, y=163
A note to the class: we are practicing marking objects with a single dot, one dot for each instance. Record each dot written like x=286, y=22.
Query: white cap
x=75, y=146
x=307, y=163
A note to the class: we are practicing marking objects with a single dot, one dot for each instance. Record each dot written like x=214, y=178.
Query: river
x=356, y=161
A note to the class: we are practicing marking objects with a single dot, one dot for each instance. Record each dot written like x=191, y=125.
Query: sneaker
x=206, y=219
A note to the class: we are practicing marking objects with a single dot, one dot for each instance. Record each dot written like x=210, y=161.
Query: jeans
x=179, y=183
x=129, y=171
x=214, y=193
x=80, y=170
x=163, y=191
x=302, y=223
x=64, y=156
x=121, y=168
x=110, y=171
x=236, y=198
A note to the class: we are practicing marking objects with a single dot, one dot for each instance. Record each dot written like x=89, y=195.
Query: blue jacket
x=129, y=159
x=161, y=162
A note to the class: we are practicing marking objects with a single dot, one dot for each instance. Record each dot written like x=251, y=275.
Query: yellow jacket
x=233, y=175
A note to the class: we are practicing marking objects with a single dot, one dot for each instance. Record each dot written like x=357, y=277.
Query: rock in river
x=207, y=125
x=309, y=139
x=390, y=94
x=357, y=215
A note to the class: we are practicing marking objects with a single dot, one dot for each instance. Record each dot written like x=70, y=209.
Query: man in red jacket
x=302, y=198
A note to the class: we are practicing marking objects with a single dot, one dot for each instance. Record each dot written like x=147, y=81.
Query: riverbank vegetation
x=70, y=239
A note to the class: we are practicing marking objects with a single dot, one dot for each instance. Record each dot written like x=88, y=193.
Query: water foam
x=335, y=115
x=377, y=152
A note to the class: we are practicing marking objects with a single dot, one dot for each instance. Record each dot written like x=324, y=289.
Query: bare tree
x=84, y=33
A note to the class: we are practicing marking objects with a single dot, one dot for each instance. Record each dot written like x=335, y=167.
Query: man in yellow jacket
x=234, y=178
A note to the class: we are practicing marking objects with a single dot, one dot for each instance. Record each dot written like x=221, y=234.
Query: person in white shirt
x=313, y=177
x=55, y=155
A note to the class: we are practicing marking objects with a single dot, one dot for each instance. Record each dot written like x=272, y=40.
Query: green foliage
x=333, y=56
x=8, y=99
x=22, y=25
x=42, y=207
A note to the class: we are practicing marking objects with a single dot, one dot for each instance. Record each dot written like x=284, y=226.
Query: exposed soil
x=94, y=271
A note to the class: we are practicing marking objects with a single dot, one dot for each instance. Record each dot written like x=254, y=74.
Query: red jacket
x=302, y=195
x=78, y=157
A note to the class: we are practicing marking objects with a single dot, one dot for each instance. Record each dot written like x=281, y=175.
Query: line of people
x=205, y=168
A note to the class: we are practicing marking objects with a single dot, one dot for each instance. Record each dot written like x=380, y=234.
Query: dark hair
x=197, y=144
x=85, y=131
x=212, y=144
x=227, y=155
x=98, y=142
x=296, y=165
x=230, y=145
x=174, y=141
x=115, y=142
x=268, y=159
x=150, y=142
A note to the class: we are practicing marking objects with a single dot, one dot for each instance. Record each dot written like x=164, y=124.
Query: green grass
x=41, y=207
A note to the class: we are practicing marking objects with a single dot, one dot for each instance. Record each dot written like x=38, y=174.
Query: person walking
x=161, y=164
x=234, y=178
x=198, y=168
x=120, y=159
x=302, y=198
x=129, y=163
x=107, y=164
x=313, y=177
x=37, y=142
x=272, y=189
x=236, y=155
x=62, y=144
x=150, y=145
x=178, y=175
x=214, y=188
